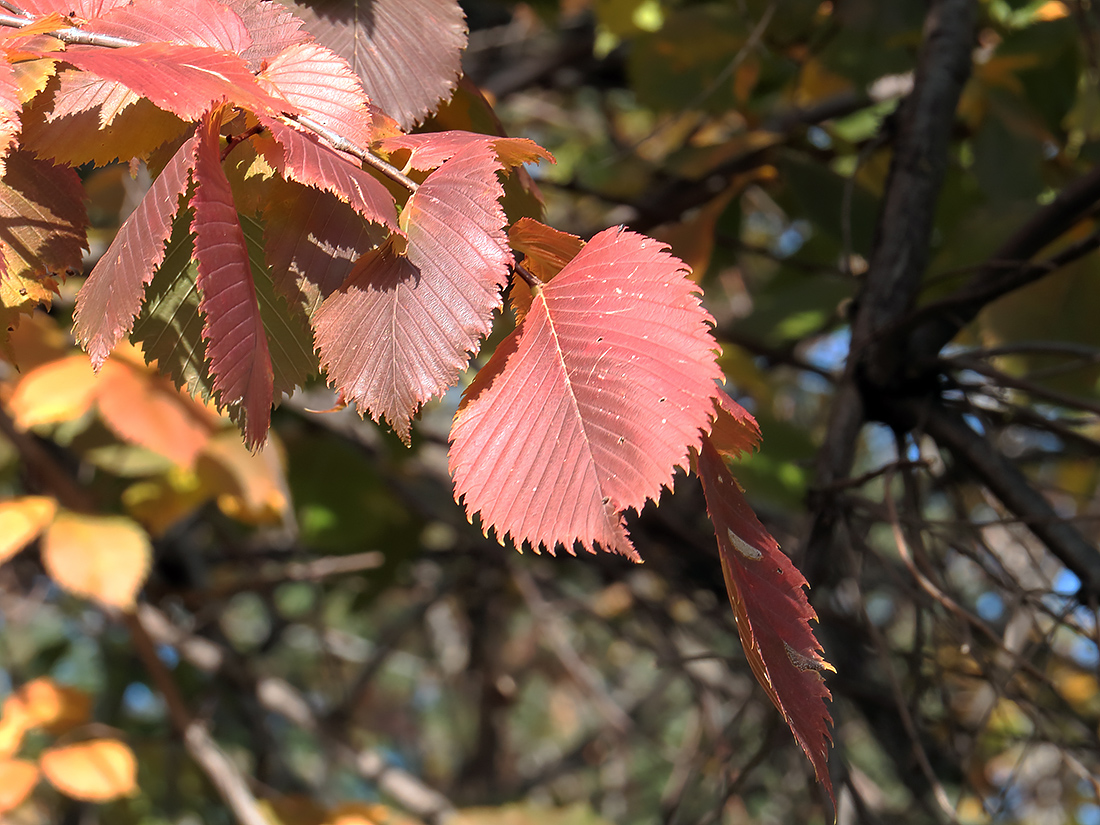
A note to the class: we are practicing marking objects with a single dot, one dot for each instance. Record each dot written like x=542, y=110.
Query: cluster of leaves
x=291, y=215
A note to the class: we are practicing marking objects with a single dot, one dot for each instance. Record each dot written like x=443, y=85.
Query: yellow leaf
x=251, y=487
x=1054, y=10
x=13, y=724
x=17, y=778
x=54, y=707
x=95, y=771
x=56, y=391
x=104, y=558
x=21, y=520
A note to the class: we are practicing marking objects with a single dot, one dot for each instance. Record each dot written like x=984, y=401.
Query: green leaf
x=288, y=334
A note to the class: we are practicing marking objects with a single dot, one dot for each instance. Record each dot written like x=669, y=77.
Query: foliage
x=893, y=230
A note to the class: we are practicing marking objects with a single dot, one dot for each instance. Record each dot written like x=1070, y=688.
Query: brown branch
x=223, y=774
x=900, y=254
x=1004, y=479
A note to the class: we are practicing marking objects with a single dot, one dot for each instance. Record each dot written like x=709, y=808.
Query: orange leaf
x=95, y=771
x=104, y=558
x=21, y=520
x=13, y=724
x=53, y=707
x=54, y=392
x=250, y=487
x=17, y=778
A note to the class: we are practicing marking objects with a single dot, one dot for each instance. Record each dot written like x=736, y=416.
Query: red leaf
x=311, y=241
x=184, y=80
x=111, y=297
x=83, y=9
x=406, y=52
x=307, y=160
x=193, y=22
x=82, y=91
x=271, y=27
x=10, y=108
x=735, y=431
x=587, y=408
x=430, y=149
x=402, y=328
x=773, y=613
x=236, y=344
x=321, y=85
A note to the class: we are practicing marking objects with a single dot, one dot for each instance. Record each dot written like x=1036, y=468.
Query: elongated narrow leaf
x=430, y=149
x=169, y=327
x=407, y=52
x=111, y=297
x=234, y=331
x=286, y=326
x=403, y=327
x=193, y=22
x=322, y=86
x=773, y=613
x=184, y=80
x=587, y=408
x=307, y=160
x=312, y=240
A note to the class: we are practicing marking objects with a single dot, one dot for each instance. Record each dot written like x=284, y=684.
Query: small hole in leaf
x=606, y=500
x=662, y=400
x=599, y=339
x=622, y=439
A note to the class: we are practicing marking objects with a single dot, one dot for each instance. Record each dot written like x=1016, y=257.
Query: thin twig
x=223, y=774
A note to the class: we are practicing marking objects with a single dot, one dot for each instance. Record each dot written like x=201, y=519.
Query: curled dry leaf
x=95, y=771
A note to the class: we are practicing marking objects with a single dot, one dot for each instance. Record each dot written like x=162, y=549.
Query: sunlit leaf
x=403, y=327
x=102, y=557
x=53, y=707
x=95, y=771
x=431, y=149
x=21, y=520
x=17, y=779
x=587, y=408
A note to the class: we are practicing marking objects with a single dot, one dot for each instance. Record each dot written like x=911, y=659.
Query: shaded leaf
x=735, y=431
x=103, y=558
x=169, y=327
x=236, y=344
x=42, y=218
x=307, y=160
x=403, y=326
x=773, y=613
x=271, y=27
x=587, y=408
x=17, y=779
x=111, y=297
x=21, y=520
x=95, y=771
x=431, y=149
x=286, y=325
x=312, y=240
x=545, y=251
x=320, y=84
x=184, y=80
x=406, y=66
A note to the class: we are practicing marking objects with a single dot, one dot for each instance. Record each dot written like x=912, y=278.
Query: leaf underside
x=773, y=613
x=587, y=408
x=236, y=342
x=407, y=52
x=112, y=296
x=403, y=327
